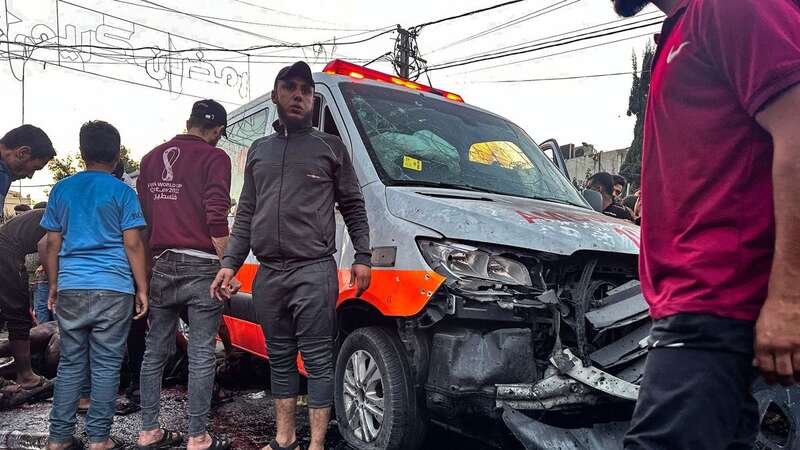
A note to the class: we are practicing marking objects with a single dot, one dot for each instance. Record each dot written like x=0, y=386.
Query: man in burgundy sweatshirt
x=184, y=188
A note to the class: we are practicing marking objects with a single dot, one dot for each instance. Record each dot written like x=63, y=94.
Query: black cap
x=299, y=69
x=211, y=111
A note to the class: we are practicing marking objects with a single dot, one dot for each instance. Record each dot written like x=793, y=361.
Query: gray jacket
x=286, y=209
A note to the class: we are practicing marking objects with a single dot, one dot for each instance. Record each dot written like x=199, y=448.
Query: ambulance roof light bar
x=341, y=67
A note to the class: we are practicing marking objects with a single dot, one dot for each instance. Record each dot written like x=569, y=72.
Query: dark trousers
x=695, y=394
x=297, y=310
x=15, y=299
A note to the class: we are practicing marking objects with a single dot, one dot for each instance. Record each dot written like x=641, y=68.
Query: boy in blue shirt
x=93, y=223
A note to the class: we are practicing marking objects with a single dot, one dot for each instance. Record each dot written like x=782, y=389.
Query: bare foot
x=199, y=442
x=149, y=437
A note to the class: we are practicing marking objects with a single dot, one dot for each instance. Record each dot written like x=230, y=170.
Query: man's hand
x=224, y=285
x=360, y=276
x=52, y=298
x=141, y=304
x=777, y=343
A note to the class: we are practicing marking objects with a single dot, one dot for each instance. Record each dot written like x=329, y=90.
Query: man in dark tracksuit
x=286, y=215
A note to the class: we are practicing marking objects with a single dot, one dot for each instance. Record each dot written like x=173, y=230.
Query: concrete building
x=13, y=199
x=584, y=160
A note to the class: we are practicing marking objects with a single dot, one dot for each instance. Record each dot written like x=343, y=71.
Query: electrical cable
x=571, y=77
x=246, y=22
x=551, y=44
x=539, y=42
x=466, y=14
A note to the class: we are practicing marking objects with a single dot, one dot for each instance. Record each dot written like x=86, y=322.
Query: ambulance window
x=241, y=135
x=315, y=119
x=329, y=125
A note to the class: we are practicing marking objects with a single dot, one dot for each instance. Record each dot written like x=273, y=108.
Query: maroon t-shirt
x=707, y=208
x=184, y=189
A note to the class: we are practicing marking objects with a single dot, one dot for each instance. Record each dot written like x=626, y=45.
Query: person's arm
x=777, y=343
x=41, y=250
x=137, y=258
x=238, y=243
x=354, y=212
x=54, y=241
x=217, y=200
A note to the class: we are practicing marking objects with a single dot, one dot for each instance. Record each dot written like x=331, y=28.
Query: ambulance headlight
x=463, y=261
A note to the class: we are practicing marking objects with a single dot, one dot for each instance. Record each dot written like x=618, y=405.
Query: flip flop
x=274, y=445
x=219, y=443
x=168, y=439
x=118, y=444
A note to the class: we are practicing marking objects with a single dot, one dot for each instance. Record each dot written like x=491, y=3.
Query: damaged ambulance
x=500, y=297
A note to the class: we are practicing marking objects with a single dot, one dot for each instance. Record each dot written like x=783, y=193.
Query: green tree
x=61, y=168
x=637, y=103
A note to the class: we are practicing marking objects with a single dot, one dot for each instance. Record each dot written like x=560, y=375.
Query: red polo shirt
x=708, y=219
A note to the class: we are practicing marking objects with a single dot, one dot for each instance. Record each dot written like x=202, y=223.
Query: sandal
x=219, y=443
x=169, y=439
x=118, y=444
x=274, y=445
x=74, y=444
x=19, y=395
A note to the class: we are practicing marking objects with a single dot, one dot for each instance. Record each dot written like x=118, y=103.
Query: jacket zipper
x=280, y=192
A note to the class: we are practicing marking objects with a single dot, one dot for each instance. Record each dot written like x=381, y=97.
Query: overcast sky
x=59, y=100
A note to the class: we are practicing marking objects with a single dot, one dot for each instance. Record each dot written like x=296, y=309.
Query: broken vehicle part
x=535, y=435
x=570, y=365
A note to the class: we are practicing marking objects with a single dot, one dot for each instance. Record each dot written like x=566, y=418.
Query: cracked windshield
x=415, y=140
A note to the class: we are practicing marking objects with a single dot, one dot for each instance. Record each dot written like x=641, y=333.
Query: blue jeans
x=40, y=293
x=94, y=328
x=181, y=282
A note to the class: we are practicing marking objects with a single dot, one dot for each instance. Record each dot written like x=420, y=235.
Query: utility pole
x=403, y=52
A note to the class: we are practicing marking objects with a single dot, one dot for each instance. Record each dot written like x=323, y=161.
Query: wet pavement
x=246, y=417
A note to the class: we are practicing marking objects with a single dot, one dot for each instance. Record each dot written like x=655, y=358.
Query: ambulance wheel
x=376, y=406
x=779, y=417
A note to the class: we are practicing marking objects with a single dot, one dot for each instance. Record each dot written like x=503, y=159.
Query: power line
x=555, y=54
x=516, y=49
x=134, y=83
x=572, y=77
x=246, y=22
x=469, y=13
x=532, y=15
x=280, y=12
x=193, y=49
x=229, y=27
x=521, y=45
x=547, y=45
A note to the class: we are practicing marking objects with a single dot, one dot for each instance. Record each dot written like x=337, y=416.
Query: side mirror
x=594, y=198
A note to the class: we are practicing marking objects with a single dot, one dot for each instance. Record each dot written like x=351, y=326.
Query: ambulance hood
x=512, y=221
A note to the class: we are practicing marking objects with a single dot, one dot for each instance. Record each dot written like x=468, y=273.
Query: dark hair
x=199, y=122
x=619, y=179
x=630, y=201
x=604, y=180
x=22, y=207
x=99, y=142
x=40, y=205
x=30, y=136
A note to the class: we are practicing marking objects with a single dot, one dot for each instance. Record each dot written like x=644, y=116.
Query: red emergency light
x=341, y=67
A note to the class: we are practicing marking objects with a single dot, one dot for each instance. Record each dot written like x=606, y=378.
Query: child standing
x=93, y=245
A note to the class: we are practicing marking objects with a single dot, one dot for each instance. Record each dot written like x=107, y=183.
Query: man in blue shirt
x=93, y=223
x=23, y=151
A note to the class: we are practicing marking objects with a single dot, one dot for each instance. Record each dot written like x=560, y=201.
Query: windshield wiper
x=469, y=187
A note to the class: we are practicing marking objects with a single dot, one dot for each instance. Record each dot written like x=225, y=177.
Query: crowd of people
x=718, y=262
x=110, y=256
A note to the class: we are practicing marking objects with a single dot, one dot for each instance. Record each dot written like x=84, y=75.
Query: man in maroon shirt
x=720, y=256
x=184, y=188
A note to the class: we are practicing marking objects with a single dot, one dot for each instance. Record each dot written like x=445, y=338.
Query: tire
x=380, y=353
x=779, y=417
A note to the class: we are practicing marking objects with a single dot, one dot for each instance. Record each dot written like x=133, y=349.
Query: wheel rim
x=363, y=395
